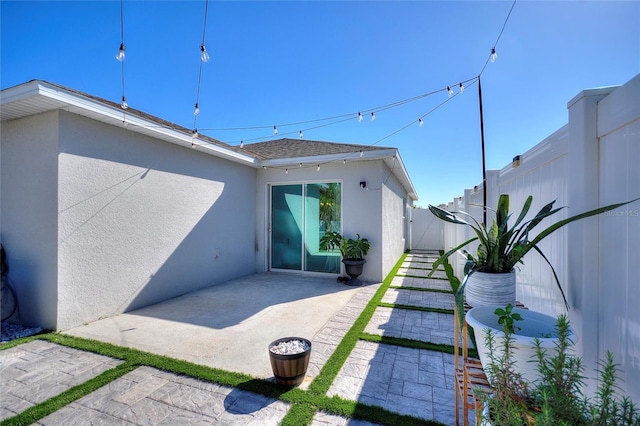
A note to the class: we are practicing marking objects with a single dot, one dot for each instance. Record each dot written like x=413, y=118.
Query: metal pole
x=484, y=167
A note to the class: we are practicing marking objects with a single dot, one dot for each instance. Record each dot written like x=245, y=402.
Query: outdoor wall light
x=475, y=188
x=363, y=185
x=516, y=161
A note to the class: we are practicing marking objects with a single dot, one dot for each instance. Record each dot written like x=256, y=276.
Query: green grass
x=416, y=308
x=432, y=290
x=304, y=404
x=421, y=276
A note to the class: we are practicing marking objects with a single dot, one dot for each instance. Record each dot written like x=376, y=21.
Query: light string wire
x=124, y=104
x=493, y=49
x=196, y=110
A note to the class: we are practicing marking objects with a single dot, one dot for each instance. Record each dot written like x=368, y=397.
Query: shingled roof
x=299, y=148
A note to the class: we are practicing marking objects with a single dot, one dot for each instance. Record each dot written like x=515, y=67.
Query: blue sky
x=286, y=62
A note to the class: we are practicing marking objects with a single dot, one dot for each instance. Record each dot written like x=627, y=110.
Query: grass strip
x=51, y=405
x=415, y=344
x=433, y=290
x=177, y=366
x=322, y=382
x=422, y=276
x=415, y=308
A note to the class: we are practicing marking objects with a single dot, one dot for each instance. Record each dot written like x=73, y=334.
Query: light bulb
x=241, y=144
x=344, y=161
x=361, y=153
x=494, y=55
x=275, y=130
x=204, y=56
x=300, y=134
x=264, y=167
x=193, y=145
x=196, y=110
x=194, y=134
x=318, y=168
x=449, y=91
x=359, y=118
x=461, y=88
x=373, y=116
x=124, y=104
x=286, y=171
x=420, y=122
x=120, y=55
x=300, y=165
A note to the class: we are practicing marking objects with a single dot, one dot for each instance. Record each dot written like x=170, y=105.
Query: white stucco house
x=104, y=210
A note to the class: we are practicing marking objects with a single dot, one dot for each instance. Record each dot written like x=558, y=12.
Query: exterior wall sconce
x=363, y=185
x=516, y=161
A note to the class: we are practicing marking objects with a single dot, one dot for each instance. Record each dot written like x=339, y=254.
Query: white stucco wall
x=393, y=220
x=141, y=220
x=362, y=210
x=28, y=211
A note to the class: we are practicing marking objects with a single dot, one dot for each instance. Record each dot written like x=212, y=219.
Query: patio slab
x=230, y=325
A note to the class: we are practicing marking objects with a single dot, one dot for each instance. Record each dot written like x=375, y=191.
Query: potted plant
x=536, y=329
x=557, y=397
x=353, y=252
x=490, y=274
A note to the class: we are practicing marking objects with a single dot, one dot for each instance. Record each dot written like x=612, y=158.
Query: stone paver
x=422, y=299
x=36, y=371
x=147, y=396
x=431, y=327
x=426, y=283
x=408, y=381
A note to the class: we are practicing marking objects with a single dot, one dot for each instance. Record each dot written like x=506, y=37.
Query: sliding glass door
x=300, y=215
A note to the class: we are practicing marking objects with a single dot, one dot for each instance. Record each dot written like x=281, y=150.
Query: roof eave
x=51, y=97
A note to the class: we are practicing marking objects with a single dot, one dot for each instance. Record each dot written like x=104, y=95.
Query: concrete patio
x=250, y=313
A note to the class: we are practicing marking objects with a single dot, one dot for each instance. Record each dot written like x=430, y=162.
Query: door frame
x=269, y=218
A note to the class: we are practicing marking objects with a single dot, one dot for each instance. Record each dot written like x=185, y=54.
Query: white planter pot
x=534, y=324
x=485, y=288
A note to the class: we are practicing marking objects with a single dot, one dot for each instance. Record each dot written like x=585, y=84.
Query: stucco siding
x=28, y=170
x=141, y=220
x=361, y=212
x=393, y=221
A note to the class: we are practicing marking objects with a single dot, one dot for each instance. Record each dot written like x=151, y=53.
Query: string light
x=494, y=55
x=204, y=56
x=420, y=122
x=120, y=55
x=300, y=165
x=300, y=134
x=275, y=130
x=124, y=104
x=318, y=168
x=194, y=134
x=359, y=118
x=196, y=110
x=361, y=153
x=461, y=88
x=241, y=144
x=373, y=116
x=344, y=161
x=449, y=91
x=264, y=167
x=286, y=171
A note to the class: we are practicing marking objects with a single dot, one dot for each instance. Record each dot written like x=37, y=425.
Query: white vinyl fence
x=591, y=162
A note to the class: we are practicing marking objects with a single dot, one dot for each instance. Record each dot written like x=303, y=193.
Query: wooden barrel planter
x=289, y=369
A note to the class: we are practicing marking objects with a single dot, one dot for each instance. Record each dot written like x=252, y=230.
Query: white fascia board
x=331, y=158
x=404, y=176
x=118, y=115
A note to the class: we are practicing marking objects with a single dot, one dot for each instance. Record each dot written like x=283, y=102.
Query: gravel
x=15, y=331
x=290, y=347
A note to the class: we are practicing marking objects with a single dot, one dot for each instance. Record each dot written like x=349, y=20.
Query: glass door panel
x=322, y=214
x=286, y=227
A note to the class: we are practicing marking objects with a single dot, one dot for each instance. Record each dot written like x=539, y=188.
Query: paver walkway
x=406, y=380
